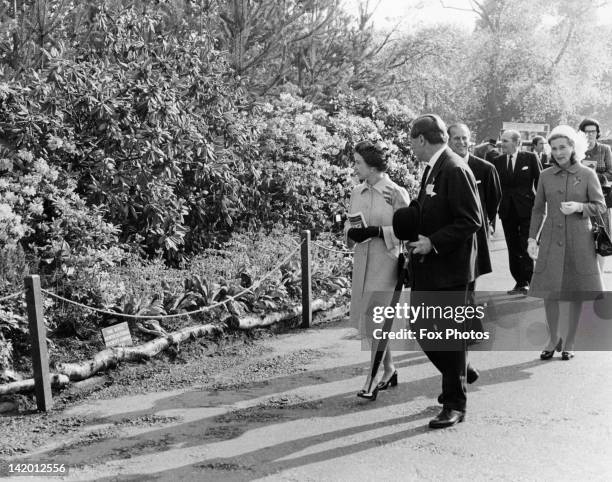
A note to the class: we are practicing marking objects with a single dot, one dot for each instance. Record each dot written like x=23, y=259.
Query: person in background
x=537, y=146
x=489, y=192
x=519, y=172
x=375, y=263
x=566, y=268
x=600, y=156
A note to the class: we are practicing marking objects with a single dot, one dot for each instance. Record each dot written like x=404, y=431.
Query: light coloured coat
x=566, y=267
x=375, y=261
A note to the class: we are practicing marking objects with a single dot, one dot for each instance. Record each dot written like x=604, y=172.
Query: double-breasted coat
x=375, y=262
x=566, y=267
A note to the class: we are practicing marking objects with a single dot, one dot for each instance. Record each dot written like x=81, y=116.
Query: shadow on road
x=273, y=408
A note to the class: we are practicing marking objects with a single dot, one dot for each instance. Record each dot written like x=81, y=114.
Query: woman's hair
x=374, y=154
x=590, y=122
x=576, y=140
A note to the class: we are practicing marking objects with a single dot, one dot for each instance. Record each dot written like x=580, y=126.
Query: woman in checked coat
x=375, y=263
x=566, y=269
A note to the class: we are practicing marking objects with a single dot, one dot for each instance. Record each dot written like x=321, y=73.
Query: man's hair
x=514, y=135
x=457, y=125
x=431, y=127
x=536, y=139
x=590, y=122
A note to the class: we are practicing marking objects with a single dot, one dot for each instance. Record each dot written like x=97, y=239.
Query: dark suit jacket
x=545, y=160
x=518, y=186
x=450, y=219
x=491, y=155
x=489, y=191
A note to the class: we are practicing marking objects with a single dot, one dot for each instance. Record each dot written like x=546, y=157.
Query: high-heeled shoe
x=548, y=354
x=391, y=382
x=567, y=355
x=368, y=396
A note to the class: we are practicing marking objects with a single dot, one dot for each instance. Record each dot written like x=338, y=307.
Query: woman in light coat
x=375, y=263
x=566, y=268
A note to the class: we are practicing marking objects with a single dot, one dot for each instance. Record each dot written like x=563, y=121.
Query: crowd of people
x=546, y=202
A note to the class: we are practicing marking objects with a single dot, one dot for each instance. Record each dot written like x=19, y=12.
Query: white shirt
x=433, y=160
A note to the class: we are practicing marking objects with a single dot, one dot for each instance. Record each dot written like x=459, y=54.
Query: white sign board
x=117, y=335
x=527, y=130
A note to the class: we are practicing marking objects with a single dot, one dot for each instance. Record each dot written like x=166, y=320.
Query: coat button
x=561, y=191
x=560, y=225
x=560, y=243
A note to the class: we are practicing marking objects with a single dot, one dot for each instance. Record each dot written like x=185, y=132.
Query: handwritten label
x=117, y=335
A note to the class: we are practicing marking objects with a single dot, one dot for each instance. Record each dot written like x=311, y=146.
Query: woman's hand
x=359, y=235
x=532, y=248
x=571, y=207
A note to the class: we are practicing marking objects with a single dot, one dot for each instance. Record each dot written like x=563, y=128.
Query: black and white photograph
x=305, y=240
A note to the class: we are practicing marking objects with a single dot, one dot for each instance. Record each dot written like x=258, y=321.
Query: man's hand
x=359, y=235
x=422, y=246
x=532, y=248
x=571, y=207
x=392, y=196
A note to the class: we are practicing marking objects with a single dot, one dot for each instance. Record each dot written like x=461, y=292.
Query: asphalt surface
x=527, y=419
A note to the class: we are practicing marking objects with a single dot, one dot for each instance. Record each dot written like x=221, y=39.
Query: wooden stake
x=306, y=280
x=38, y=336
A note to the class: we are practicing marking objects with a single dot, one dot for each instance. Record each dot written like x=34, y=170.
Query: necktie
x=424, y=178
x=510, y=167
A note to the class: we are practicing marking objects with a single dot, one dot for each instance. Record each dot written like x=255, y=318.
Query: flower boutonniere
x=429, y=190
x=577, y=181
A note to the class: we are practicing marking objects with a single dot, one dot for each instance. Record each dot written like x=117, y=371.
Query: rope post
x=306, y=280
x=38, y=335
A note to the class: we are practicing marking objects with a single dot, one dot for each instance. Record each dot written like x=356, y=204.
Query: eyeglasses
x=590, y=131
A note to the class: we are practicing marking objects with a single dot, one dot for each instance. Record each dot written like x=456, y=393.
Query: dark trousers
x=516, y=231
x=448, y=358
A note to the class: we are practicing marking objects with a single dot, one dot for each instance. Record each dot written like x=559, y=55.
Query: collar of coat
x=379, y=186
x=573, y=168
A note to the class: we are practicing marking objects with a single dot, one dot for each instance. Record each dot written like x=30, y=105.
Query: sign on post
x=117, y=335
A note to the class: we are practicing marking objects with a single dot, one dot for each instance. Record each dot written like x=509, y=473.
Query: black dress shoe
x=472, y=375
x=514, y=291
x=523, y=290
x=447, y=418
x=368, y=396
x=567, y=355
x=391, y=382
x=548, y=354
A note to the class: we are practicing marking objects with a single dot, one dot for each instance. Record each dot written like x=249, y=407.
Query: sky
x=416, y=13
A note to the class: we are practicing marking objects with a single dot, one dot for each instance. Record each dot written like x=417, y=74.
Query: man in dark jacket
x=519, y=173
x=444, y=257
x=489, y=192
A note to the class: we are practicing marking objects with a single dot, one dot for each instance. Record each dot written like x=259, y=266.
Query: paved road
x=526, y=420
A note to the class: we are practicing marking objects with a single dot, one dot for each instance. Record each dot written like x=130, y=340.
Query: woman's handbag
x=603, y=243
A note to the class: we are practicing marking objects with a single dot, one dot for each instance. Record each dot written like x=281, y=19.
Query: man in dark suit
x=537, y=146
x=489, y=192
x=519, y=173
x=444, y=257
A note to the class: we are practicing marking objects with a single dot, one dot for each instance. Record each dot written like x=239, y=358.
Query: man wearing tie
x=444, y=257
x=519, y=173
x=489, y=192
x=537, y=145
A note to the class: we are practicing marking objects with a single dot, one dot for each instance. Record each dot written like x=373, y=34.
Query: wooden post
x=306, y=280
x=38, y=336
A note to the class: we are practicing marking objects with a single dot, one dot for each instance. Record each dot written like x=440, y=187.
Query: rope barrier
x=10, y=297
x=333, y=250
x=162, y=317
